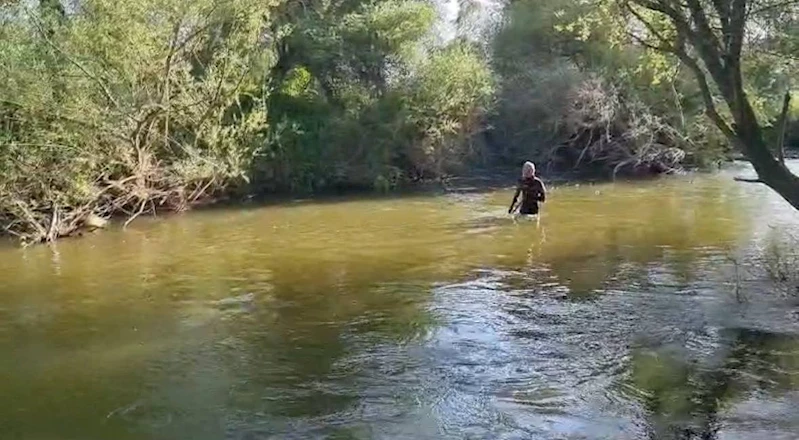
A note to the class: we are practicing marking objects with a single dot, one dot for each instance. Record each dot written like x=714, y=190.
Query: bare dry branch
x=138, y=213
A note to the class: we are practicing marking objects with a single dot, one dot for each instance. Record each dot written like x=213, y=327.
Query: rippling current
x=615, y=316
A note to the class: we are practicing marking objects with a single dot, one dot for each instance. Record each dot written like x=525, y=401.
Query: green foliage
x=366, y=101
x=551, y=53
x=445, y=101
x=767, y=59
x=107, y=112
x=131, y=107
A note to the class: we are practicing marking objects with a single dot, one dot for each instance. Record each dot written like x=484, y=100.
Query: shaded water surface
x=425, y=317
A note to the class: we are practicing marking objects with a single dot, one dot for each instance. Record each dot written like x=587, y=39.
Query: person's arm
x=542, y=196
x=515, y=197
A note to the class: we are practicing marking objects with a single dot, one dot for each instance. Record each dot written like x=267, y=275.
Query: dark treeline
x=123, y=108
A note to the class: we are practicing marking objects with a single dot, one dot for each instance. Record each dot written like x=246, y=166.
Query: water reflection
x=687, y=398
x=421, y=317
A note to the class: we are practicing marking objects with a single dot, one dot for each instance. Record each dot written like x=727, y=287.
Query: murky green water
x=414, y=318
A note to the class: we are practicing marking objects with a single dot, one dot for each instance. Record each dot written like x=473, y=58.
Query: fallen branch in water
x=743, y=179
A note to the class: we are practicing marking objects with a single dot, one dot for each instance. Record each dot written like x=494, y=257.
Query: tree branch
x=173, y=47
x=736, y=30
x=704, y=40
x=684, y=32
x=138, y=213
x=782, y=125
x=723, y=9
x=707, y=96
x=660, y=6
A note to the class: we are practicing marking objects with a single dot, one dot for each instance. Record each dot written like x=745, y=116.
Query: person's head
x=528, y=170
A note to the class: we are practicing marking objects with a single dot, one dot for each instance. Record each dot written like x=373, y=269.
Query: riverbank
x=476, y=180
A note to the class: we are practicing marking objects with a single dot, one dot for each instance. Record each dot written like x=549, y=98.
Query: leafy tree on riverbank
x=572, y=98
x=365, y=97
x=739, y=52
x=123, y=108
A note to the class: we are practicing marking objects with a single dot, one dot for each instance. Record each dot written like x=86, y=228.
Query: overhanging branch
x=773, y=6
x=678, y=49
x=703, y=39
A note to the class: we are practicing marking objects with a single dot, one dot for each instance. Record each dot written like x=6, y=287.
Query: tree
x=362, y=95
x=571, y=99
x=103, y=112
x=114, y=109
x=713, y=38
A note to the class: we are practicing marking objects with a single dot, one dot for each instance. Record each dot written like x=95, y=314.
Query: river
x=418, y=317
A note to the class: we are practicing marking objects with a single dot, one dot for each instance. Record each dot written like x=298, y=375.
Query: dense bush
x=124, y=107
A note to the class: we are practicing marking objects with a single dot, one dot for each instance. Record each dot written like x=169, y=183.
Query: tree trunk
x=770, y=170
x=783, y=126
x=719, y=50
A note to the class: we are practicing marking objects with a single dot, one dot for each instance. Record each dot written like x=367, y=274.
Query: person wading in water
x=531, y=189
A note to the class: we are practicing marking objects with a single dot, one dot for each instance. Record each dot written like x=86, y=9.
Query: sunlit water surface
x=424, y=317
